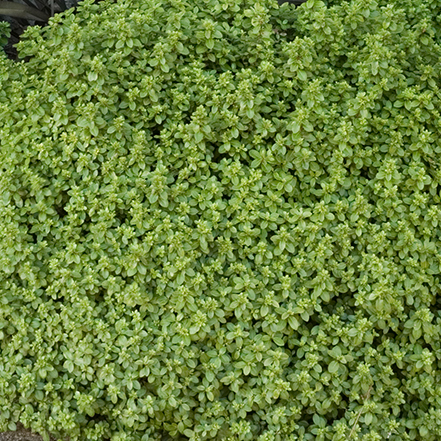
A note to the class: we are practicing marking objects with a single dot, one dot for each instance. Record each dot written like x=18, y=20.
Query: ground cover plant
x=219, y=220
x=23, y=13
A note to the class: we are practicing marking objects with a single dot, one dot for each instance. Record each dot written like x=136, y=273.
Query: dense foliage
x=22, y=13
x=220, y=220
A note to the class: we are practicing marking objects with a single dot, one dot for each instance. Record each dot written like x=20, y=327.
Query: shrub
x=20, y=14
x=211, y=230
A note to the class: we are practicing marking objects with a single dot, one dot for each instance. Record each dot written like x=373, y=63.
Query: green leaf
x=82, y=121
x=305, y=316
x=199, y=136
x=333, y=367
x=294, y=126
x=132, y=271
x=301, y=74
x=94, y=130
x=293, y=322
x=68, y=364
x=368, y=418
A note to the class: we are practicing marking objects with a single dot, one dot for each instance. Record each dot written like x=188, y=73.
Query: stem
x=359, y=413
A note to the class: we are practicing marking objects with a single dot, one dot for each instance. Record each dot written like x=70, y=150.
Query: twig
x=359, y=413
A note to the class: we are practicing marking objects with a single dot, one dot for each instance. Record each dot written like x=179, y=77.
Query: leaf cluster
x=20, y=14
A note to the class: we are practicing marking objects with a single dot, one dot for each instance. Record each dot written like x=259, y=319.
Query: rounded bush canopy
x=220, y=220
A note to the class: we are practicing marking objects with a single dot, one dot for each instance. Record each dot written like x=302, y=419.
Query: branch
x=359, y=413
